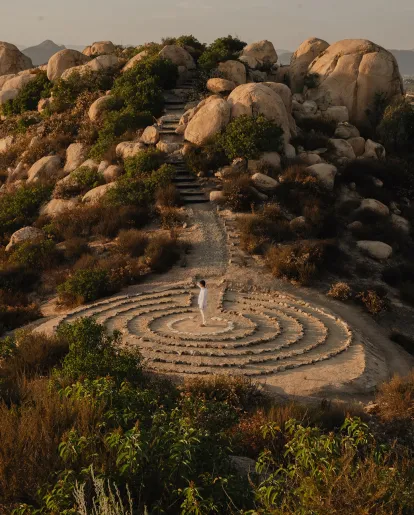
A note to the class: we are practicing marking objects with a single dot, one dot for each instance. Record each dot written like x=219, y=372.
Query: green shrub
x=29, y=95
x=144, y=163
x=84, y=286
x=167, y=196
x=222, y=49
x=20, y=207
x=65, y=92
x=115, y=125
x=94, y=353
x=80, y=182
x=33, y=255
x=396, y=129
x=248, y=137
x=190, y=43
x=206, y=158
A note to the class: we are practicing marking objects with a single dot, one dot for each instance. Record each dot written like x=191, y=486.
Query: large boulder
x=374, y=150
x=95, y=195
x=6, y=143
x=8, y=94
x=151, y=135
x=325, y=173
x=136, y=59
x=18, y=81
x=375, y=249
x=46, y=169
x=259, y=54
x=375, y=207
x=58, y=206
x=12, y=60
x=98, y=108
x=129, y=149
x=99, y=48
x=62, y=61
x=352, y=73
x=342, y=148
x=212, y=118
x=401, y=224
x=264, y=183
x=254, y=99
x=112, y=173
x=25, y=234
x=301, y=59
x=100, y=63
x=234, y=71
x=283, y=91
x=345, y=130
x=76, y=154
x=358, y=144
x=220, y=85
x=179, y=56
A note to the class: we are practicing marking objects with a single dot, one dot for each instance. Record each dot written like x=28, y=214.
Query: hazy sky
x=285, y=23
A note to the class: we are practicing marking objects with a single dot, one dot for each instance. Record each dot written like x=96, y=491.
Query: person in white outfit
x=202, y=301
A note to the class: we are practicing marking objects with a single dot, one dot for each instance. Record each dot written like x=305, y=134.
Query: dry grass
x=168, y=197
x=340, y=291
x=132, y=242
x=238, y=193
x=395, y=399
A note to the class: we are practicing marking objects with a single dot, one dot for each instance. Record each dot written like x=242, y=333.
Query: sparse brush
x=132, y=242
x=340, y=291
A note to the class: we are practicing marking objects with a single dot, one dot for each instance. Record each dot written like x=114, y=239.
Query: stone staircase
x=187, y=184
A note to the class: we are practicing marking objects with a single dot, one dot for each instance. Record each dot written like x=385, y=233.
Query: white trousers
x=203, y=316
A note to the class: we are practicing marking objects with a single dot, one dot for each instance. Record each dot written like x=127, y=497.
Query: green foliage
x=140, y=191
x=79, y=182
x=65, y=92
x=35, y=256
x=210, y=156
x=84, y=286
x=29, y=95
x=397, y=127
x=20, y=207
x=144, y=163
x=94, y=353
x=221, y=49
x=115, y=125
x=248, y=137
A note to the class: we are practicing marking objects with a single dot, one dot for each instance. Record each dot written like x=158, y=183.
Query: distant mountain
x=405, y=60
x=40, y=54
x=285, y=57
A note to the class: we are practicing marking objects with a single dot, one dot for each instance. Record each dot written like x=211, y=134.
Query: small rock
x=325, y=173
x=150, y=136
x=25, y=234
x=375, y=249
x=264, y=182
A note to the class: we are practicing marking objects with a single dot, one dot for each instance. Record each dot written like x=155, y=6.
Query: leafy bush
x=301, y=261
x=167, y=197
x=132, y=242
x=20, y=207
x=396, y=129
x=79, y=182
x=35, y=255
x=340, y=291
x=29, y=95
x=208, y=157
x=222, y=49
x=144, y=163
x=190, y=43
x=65, y=92
x=94, y=353
x=248, y=137
x=84, y=286
x=238, y=192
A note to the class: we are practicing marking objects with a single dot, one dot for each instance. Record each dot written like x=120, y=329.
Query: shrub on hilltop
x=222, y=49
x=396, y=129
x=249, y=137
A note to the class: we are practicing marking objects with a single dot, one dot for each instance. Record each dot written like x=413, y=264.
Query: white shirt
x=202, y=298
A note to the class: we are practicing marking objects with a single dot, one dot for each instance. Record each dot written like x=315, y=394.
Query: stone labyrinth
x=254, y=333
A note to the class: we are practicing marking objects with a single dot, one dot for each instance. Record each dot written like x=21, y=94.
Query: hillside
x=40, y=54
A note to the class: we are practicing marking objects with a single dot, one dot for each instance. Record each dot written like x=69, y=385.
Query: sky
x=285, y=23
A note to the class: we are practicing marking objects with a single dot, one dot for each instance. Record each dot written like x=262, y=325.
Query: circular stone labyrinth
x=254, y=334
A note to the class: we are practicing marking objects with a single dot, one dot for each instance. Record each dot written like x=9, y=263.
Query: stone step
x=184, y=178
x=201, y=199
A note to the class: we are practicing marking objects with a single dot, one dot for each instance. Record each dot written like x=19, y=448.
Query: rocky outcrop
x=25, y=234
x=234, y=71
x=374, y=207
x=345, y=130
x=358, y=145
x=374, y=150
x=12, y=60
x=96, y=194
x=150, y=136
x=46, y=169
x=179, y=56
x=260, y=54
x=375, y=249
x=18, y=81
x=325, y=173
x=352, y=73
x=301, y=59
x=76, y=154
x=64, y=60
x=100, y=48
x=283, y=91
x=255, y=99
x=136, y=59
x=129, y=149
x=112, y=173
x=220, y=85
x=264, y=183
x=9, y=94
x=210, y=119
x=98, y=108
x=342, y=148
x=100, y=63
